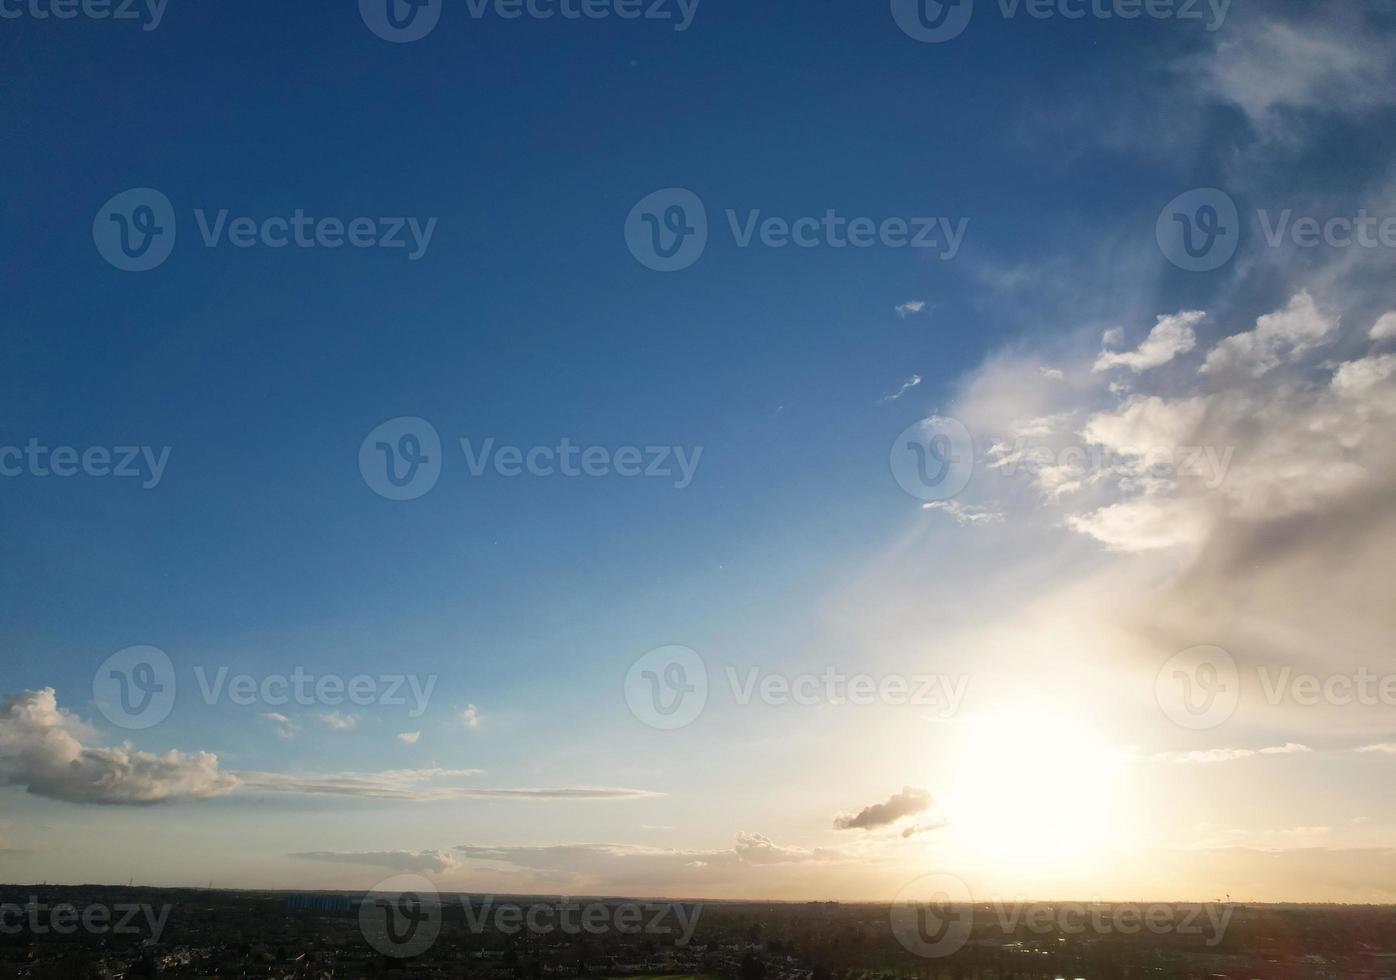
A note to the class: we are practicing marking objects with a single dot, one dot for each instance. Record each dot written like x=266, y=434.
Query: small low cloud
x=911, y=309
x=285, y=727
x=409, y=738
x=470, y=717
x=338, y=721
x=909, y=802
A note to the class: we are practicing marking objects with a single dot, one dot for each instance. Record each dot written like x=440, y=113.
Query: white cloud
x=338, y=721
x=1284, y=336
x=1385, y=327
x=911, y=309
x=409, y=738
x=470, y=717
x=42, y=749
x=1171, y=336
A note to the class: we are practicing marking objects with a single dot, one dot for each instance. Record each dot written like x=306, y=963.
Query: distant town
x=94, y=932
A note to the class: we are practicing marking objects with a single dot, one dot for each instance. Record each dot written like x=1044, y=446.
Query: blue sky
x=527, y=320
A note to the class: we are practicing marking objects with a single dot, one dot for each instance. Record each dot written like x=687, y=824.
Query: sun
x=1029, y=785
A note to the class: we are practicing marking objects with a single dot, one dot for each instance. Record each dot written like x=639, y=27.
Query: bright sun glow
x=1030, y=786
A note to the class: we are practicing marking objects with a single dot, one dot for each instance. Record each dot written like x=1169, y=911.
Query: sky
x=1017, y=505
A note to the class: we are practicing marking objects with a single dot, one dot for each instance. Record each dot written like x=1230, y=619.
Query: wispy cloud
x=907, y=385
x=437, y=862
x=421, y=786
x=911, y=309
x=409, y=738
x=1208, y=756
